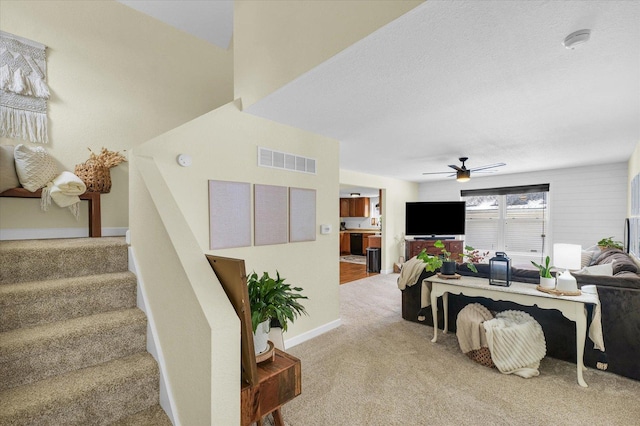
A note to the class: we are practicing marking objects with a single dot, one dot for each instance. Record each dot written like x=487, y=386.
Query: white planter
x=261, y=337
x=547, y=282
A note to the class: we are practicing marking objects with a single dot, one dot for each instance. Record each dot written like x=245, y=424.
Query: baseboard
x=49, y=233
x=167, y=401
x=289, y=343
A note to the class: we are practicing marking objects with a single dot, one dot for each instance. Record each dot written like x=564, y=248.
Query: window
x=513, y=220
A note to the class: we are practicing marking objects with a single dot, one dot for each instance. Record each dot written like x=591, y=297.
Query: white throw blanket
x=64, y=191
x=410, y=272
x=469, y=327
x=516, y=342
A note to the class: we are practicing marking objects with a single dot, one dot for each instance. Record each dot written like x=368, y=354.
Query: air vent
x=285, y=161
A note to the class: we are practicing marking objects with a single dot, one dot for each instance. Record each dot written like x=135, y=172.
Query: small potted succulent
x=271, y=298
x=546, y=279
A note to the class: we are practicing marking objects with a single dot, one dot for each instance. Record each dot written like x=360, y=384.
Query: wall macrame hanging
x=23, y=89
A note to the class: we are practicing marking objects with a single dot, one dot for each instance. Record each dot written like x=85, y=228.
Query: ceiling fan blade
x=490, y=166
x=435, y=173
x=456, y=168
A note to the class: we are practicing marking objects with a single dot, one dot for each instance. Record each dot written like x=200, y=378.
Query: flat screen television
x=435, y=218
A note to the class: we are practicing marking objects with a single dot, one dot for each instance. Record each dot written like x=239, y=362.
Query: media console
x=415, y=246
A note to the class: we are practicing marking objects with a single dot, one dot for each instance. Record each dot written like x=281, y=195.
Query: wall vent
x=285, y=161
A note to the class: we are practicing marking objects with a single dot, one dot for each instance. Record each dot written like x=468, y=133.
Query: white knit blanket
x=64, y=191
x=516, y=342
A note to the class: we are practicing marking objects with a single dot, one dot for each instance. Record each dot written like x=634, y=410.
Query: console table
x=95, y=221
x=572, y=307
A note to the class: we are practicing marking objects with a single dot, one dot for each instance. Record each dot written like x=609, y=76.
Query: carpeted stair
x=72, y=341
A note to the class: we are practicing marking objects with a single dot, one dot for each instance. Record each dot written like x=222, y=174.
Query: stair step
x=31, y=354
x=33, y=260
x=153, y=416
x=97, y=395
x=34, y=303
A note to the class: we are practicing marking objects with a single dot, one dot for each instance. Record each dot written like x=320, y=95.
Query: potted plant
x=606, y=243
x=472, y=257
x=546, y=279
x=446, y=264
x=271, y=298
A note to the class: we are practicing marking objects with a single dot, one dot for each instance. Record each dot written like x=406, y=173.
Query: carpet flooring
x=72, y=341
x=378, y=369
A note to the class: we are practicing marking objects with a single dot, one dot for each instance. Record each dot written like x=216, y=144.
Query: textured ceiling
x=488, y=80
x=206, y=19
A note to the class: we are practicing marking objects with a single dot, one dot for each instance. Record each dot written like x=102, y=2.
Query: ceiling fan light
x=463, y=175
x=576, y=38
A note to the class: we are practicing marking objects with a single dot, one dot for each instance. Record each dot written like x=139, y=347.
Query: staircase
x=72, y=341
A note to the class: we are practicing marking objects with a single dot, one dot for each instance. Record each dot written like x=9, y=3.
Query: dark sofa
x=620, y=303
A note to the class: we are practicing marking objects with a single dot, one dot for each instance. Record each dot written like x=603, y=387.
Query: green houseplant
x=546, y=279
x=470, y=256
x=272, y=298
x=608, y=242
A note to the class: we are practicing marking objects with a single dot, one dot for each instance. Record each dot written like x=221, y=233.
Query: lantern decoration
x=500, y=270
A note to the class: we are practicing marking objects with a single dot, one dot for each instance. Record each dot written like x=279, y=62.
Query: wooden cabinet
x=414, y=247
x=365, y=242
x=354, y=207
x=345, y=243
x=344, y=207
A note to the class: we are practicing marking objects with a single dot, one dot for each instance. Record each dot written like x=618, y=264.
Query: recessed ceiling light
x=576, y=38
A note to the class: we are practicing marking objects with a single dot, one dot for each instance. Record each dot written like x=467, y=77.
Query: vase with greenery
x=271, y=298
x=471, y=256
x=608, y=242
x=546, y=279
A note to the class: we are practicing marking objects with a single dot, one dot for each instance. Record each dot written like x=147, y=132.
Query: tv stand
x=433, y=237
x=414, y=247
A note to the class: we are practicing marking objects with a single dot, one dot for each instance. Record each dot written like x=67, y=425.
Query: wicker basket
x=95, y=176
x=481, y=356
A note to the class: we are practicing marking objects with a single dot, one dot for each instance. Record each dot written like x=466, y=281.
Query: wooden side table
x=279, y=381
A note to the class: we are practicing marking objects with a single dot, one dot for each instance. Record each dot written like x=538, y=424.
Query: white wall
x=585, y=203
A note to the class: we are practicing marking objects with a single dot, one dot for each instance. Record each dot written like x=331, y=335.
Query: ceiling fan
x=463, y=174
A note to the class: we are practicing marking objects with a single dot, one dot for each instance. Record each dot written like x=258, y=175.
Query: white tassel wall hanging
x=23, y=89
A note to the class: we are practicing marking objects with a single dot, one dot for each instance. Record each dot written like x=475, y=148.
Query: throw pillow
x=8, y=176
x=589, y=256
x=604, y=269
x=34, y=166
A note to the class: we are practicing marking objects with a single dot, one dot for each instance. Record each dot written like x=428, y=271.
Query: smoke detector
x=576, y=38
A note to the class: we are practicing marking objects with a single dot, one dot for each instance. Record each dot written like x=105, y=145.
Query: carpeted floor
x=378, y=369
x=362, y=260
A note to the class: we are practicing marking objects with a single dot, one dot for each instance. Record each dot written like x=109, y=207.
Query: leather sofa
x=620, y=304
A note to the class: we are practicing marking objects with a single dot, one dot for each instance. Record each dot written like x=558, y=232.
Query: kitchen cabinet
x=344, y=207
x=365, y=242
x=345, y=243
x=354, y=207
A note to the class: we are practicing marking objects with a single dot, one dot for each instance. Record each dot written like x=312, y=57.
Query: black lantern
x=500, y=270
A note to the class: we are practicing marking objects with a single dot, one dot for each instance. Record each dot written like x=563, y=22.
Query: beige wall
x=395, y=193
x=276, y=41
x=223, y=145
x=118, y=78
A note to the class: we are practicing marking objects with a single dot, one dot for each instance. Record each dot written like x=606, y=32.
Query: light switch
x=325, y=229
